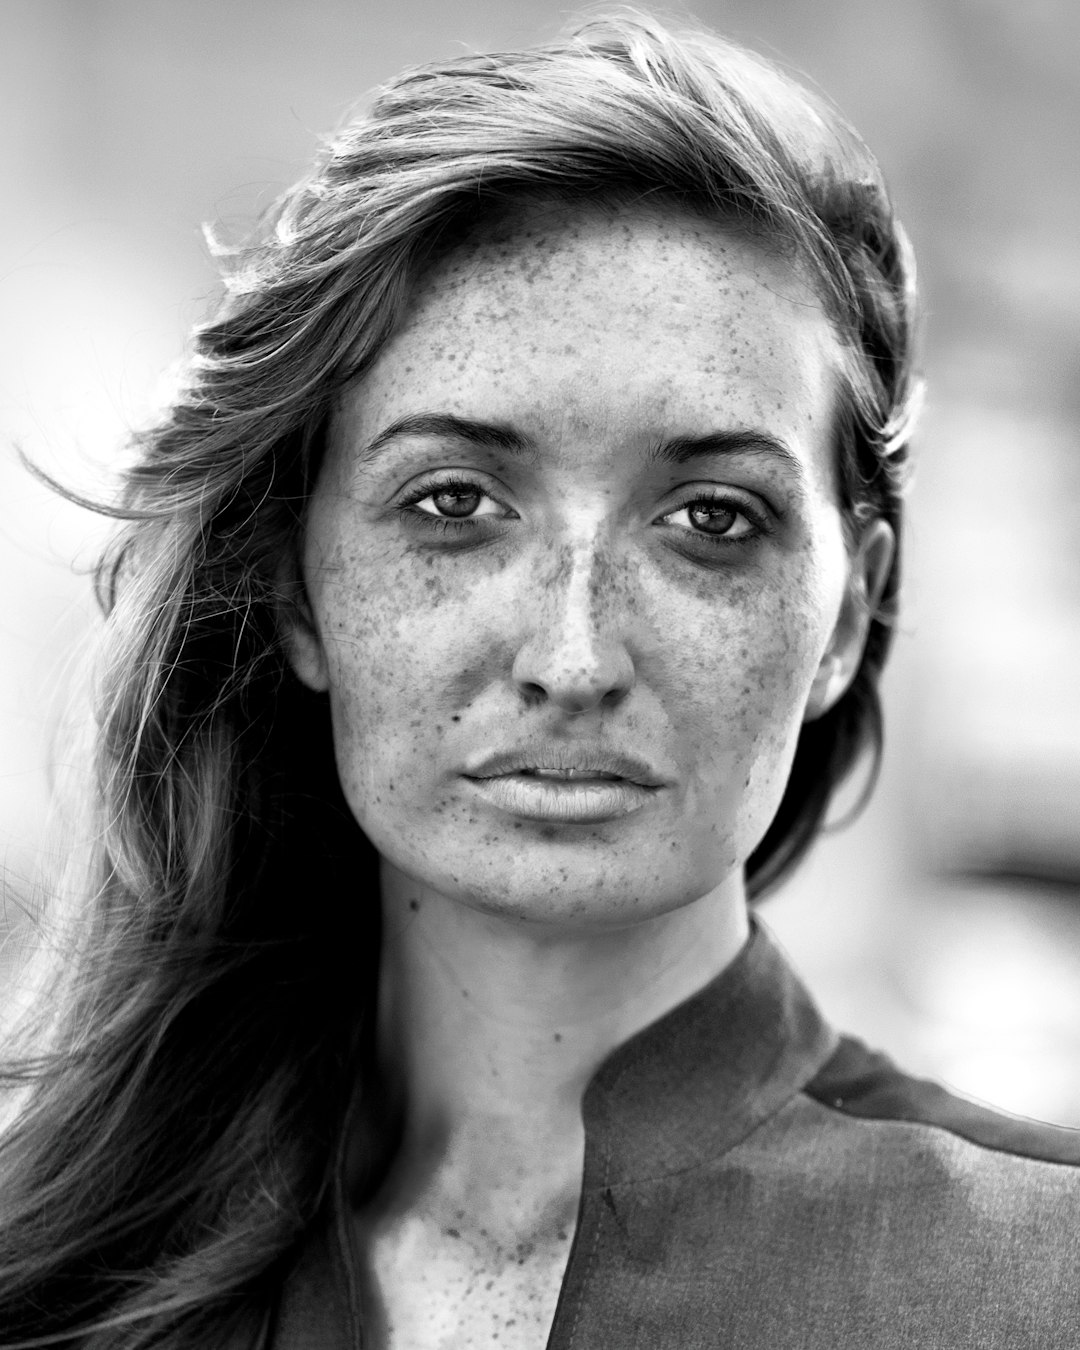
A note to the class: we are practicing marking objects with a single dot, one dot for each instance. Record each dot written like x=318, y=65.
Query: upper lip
x=583, y=757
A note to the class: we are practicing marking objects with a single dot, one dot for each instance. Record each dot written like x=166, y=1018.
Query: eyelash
x=756, y=517
x=442, y=524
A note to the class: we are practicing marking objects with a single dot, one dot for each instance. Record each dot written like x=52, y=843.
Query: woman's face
x=575, y=568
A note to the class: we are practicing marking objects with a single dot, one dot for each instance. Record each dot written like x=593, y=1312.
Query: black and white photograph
x=539, y=675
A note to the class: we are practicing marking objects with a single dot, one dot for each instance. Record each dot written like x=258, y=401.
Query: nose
x=575, y=616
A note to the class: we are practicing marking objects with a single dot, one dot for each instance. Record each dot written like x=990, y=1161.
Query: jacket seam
x=838, y=1109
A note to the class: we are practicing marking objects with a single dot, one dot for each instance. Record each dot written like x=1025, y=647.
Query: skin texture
x=587, y=594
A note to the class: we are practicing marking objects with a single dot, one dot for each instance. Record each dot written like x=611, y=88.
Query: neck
x=491, y=1029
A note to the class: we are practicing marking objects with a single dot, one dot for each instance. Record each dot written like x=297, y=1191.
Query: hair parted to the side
x=185, y=1113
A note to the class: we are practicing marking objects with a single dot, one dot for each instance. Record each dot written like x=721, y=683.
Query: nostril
x=575, y=691
x=533, y=693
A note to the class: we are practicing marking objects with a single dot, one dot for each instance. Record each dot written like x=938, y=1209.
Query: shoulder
x=935, y=1221
x=937, y=1180
x=860, y=1084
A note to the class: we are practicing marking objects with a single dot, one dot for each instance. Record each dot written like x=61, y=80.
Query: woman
x=496, y=611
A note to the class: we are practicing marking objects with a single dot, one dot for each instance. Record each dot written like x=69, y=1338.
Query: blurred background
x=945, y=925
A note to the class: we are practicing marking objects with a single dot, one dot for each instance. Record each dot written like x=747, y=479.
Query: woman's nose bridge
x=584, y=588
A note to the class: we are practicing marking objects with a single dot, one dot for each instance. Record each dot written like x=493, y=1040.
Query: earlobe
x=867, y=577
x=306, y=656
x=830, y=685
x=299, y=633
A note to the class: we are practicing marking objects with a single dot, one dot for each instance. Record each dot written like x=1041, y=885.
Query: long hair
x=184, y=1111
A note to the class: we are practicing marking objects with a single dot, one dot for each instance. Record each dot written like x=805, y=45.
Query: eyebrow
x=738, y=441
x=486, y=435
x=677, y=450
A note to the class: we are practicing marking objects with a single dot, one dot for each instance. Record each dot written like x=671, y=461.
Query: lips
x=567, y=762
x=573, y=775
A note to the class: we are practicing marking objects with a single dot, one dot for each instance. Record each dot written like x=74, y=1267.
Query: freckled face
x=579, y=512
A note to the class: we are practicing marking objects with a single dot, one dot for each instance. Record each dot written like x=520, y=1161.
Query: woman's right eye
x=457, y=501
x=452, y=505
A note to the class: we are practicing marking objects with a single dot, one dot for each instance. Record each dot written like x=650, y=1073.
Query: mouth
x=564, y=783
x=565, y=761
x=572, y=775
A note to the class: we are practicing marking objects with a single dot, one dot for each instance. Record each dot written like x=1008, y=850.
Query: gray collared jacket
x=753, y=1180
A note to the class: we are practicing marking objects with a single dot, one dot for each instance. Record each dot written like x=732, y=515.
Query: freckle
x=452, y=1232
x=414, y=905
x=557, y=1037
x=455, y=718
x=464, y=993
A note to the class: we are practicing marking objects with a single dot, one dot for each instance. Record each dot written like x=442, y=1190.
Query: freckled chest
x=437, y=1287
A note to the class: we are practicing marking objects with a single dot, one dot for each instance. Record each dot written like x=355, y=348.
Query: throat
x=495, y=1184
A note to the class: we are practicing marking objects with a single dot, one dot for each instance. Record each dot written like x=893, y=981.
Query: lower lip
x=577, y=801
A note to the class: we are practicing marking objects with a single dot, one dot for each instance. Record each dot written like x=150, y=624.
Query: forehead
x=638, y=319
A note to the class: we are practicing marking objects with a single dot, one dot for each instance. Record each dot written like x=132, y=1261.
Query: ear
x=866, y=581
x=299, y=632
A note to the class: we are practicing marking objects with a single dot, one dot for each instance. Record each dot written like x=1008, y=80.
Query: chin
x=556, y=882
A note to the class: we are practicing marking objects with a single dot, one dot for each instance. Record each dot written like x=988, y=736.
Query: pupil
x=711, y=518
x=453, y=501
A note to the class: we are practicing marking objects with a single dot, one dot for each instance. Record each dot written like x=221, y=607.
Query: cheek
x=408, y=645
x=743, y=692
x=744, y=652
x=356, y=617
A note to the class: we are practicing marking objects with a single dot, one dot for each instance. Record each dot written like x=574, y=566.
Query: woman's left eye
x=720, y=518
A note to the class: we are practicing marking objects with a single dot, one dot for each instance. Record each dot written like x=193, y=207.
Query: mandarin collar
x=684, y=1090
x=697, y=1081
